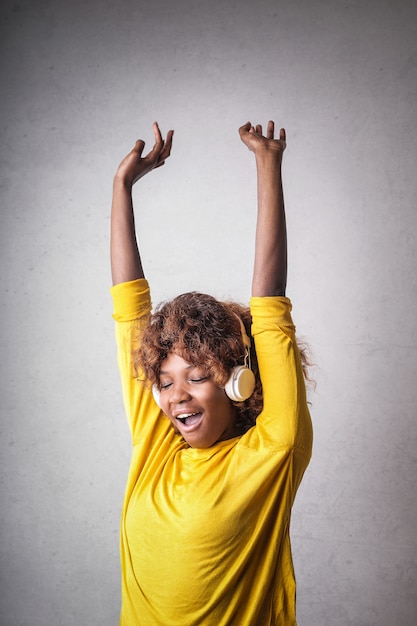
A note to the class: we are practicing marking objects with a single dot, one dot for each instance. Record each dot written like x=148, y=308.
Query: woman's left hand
x=253, y=138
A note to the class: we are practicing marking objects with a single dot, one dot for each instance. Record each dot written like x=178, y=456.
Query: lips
x=189, y=420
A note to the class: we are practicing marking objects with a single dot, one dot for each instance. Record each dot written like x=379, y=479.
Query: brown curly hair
x=206, y=333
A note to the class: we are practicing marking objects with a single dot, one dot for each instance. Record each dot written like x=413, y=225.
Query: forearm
x=270, y=266
x=125, y=258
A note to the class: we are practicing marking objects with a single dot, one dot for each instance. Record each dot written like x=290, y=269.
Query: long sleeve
x=132, y=306
x=285, y=420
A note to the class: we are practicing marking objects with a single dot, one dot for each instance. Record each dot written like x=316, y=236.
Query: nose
x=179, y=393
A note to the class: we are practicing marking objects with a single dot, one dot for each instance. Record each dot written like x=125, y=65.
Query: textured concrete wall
x=81, y=81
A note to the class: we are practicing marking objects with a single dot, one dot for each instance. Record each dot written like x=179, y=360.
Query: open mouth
x=189, y=419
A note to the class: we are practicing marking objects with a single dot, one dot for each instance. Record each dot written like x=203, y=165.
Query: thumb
x=245, y=128
x=139, y=146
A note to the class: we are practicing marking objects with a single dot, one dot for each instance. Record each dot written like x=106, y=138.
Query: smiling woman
x=206, y=333
x=195, y=404
x=216, y=464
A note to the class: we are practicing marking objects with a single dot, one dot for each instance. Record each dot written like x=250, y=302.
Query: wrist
x=122, y=182
x=270, y=158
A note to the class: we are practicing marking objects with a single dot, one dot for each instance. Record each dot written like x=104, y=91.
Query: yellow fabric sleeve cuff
x=131, y=300
x=277, y=307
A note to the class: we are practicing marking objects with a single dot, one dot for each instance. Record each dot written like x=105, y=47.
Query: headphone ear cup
x=156, y=395
x=241, y=384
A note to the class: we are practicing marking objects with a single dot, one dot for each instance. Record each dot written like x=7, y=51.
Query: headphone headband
x=245, y=338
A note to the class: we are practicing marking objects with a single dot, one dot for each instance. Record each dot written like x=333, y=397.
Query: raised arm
x=125, y=258
x=270, y=267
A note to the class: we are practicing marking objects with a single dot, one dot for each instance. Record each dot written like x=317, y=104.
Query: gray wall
x=81, y=81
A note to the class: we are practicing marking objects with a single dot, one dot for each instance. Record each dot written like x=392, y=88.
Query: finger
x=168, y=141
x=154, y=154
x=259, y=129
x=244, y=129
x=164, y=154
x=157, y=133
x=282, y=134
x=139, y=146
x=166, y=150
x=270, y=130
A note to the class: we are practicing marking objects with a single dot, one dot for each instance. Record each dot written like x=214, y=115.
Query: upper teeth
x=184, y=416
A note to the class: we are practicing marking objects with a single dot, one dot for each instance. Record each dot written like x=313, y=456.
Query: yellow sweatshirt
x=205, y=532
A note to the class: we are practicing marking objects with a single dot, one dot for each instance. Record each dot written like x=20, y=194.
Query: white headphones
x=241, y=383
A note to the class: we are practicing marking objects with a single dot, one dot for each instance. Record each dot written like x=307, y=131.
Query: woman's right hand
x=134, y=166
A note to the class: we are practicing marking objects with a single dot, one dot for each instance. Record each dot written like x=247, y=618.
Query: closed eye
x=191, y=380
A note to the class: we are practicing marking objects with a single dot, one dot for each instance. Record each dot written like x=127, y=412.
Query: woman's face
x=196, y=406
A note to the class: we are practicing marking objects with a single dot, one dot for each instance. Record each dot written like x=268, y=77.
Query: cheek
x=173, y=422
x=220, y=399
x=213, y=394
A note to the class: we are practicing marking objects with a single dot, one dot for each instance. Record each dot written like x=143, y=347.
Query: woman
x=218, y=453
